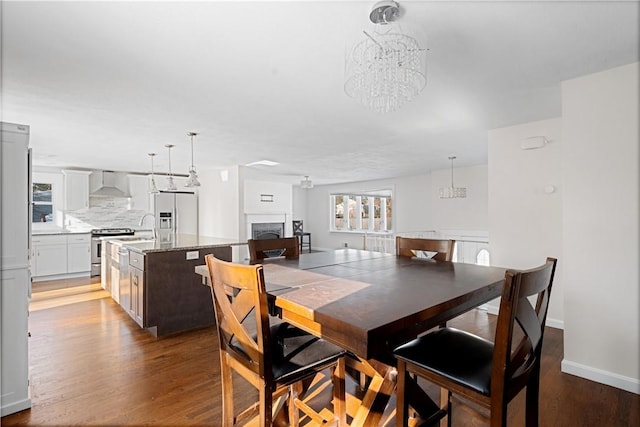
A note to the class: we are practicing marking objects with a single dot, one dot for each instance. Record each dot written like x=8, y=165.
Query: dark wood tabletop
x=369, y=302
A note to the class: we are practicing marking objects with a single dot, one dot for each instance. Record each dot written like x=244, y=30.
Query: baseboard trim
x=61, y=276
x=14, y=407
x=622, y=382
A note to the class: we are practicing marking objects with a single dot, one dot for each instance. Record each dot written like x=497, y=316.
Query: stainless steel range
x=96, y=244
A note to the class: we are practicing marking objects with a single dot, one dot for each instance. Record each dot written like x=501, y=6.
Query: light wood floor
x=91, y=365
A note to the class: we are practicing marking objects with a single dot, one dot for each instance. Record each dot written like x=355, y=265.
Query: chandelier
x=453, y=192
x=306, y=183
x=386, y=69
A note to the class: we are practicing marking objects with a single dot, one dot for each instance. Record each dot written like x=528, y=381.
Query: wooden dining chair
x=261, y=249
x=305, y=237
x=410, y=247
x=488, y=373
x=275, y=359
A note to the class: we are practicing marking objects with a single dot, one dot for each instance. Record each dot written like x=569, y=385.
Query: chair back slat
x=288, y=247
x=515, y=309
x=240, y=303
x=409, y=247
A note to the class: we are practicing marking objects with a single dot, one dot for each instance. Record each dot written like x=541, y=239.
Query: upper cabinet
x=139, y=190
x=76, y=186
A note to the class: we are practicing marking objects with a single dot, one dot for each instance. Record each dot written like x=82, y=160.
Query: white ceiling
x=104, y=83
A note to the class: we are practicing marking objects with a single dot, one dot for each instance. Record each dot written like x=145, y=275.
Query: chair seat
x=457, y=355
x=298, y=354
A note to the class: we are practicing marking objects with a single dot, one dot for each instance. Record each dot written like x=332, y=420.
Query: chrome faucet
x=153, y=228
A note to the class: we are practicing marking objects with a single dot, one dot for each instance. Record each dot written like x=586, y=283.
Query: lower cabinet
x=136, y=283
x=78, y=253
x=49, y=255
x=55, y=254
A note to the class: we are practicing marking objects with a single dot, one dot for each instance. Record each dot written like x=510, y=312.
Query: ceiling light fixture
x=263, y=163
x=153, y=189
x=306, y=183
x=171, y=186
x=193, y=176
x=386, y=69
x=453, y=192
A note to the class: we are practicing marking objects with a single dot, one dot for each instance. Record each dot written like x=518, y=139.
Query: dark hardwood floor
x=91, y=365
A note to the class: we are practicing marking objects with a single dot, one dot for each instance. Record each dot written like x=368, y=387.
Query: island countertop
x=179, y=242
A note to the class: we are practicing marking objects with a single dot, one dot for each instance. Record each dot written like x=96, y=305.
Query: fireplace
x=267, y=230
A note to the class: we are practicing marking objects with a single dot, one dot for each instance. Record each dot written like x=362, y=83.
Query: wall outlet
x=193, y=255
x=346, y=245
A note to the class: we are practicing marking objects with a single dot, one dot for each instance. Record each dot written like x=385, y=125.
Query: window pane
x=388, y=219
x=351, y=201
x=339, y=213
x=42, y=213
x=376, y=214
x=364, y=211
x=42, y=193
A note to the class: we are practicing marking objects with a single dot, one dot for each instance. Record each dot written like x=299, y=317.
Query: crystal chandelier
x=153, y=189
x=193, y=176
x=453, y=192
x=306, y=183
x=385, y=70
x=171, y=186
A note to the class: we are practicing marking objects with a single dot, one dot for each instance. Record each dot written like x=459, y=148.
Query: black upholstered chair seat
x=297, y=354
x=454, y=354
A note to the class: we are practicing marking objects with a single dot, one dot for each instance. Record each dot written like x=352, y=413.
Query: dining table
x=369, y=303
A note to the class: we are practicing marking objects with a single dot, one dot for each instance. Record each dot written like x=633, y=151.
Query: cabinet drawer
x=78, y=238
x=136, y=260
x=49, y=239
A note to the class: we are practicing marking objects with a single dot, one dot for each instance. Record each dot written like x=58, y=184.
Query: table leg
x=377, y=395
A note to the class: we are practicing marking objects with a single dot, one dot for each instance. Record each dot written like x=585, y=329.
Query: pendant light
x=153, y=189
x=453, y=192
x=171, y=186
x=193, y=176
x=306, y=183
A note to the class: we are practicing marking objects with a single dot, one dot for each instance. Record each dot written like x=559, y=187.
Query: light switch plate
x=193, y=255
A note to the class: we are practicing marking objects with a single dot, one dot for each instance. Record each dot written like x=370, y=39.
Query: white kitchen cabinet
x=139, y=190
x=49, y=255
x=76, y=189
x=15, y=283
x=58, y=254
x=78, y=253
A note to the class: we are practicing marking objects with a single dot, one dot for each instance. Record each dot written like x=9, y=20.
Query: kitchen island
x=157, y=285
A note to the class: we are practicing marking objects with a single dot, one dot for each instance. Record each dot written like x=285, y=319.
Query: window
x=42, y=210
x=368, y=212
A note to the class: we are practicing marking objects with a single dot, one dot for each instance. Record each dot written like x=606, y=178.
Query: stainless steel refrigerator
x=175, y=212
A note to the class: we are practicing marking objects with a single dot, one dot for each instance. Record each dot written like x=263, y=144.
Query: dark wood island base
x=175, y=299
x=158, y=288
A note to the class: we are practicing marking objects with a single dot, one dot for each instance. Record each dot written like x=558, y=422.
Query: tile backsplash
x=104, y=212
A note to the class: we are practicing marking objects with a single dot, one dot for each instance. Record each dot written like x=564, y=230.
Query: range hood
x=104, y=185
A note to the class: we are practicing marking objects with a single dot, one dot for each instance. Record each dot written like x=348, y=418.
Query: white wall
x=299, y=203
x=525, y=223
x=416, y=206
x=600, y=227
x=219, y=204
x=466, y=214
